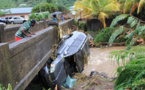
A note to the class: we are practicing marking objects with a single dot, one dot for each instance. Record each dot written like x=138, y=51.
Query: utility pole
x=39, y=7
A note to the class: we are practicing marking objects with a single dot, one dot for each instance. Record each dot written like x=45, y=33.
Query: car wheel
x=12, y=22
x=24, y=21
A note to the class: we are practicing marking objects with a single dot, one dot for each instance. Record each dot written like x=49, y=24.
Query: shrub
x=104, y=35
x=61, y=8
x=82, y=25
x=32, y=16
x=75, y=22
x=38, y=17
x=45, y=15
x=45, y=7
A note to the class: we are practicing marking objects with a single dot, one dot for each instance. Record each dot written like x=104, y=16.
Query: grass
x=132, y=73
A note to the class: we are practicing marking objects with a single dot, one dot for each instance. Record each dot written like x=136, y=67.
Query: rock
x=93, y=73
x=103, y=74
x=113, y=78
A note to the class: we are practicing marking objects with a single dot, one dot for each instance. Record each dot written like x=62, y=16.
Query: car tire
x=12, y=22
x=24, y=21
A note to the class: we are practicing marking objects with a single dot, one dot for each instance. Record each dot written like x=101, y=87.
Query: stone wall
x=95, y=24
x=20, y=61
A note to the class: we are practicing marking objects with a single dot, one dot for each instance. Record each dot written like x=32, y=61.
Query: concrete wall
x=21, y=61
x=65, y=27
x=8, y=33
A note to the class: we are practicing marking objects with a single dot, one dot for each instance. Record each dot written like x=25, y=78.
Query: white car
x=3, y=24
x=16, y=20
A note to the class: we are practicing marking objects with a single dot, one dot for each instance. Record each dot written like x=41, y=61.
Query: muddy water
x=99, y=61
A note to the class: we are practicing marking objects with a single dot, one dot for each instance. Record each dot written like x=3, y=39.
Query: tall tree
x=49, y=1
x=99, y=9
x=131, y=5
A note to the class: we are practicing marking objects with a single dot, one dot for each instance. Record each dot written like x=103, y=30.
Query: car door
x=19, y=20
x=7, y=19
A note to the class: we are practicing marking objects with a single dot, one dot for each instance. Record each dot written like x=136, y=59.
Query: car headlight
x=52, y=68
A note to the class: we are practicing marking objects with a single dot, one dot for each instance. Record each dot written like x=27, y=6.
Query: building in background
x=20, y=12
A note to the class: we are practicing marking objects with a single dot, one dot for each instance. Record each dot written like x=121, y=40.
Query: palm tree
x=132, y=5
x=99, y=9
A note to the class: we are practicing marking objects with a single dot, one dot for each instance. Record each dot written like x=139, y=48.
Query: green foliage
x=4, y=4
x=118, y=18
x=132, y=73
x=75, y=22
x=82, y=25
x=130, y=20
x=32, y=16
x=45, y=7
x=115, y=34
x=61, y=8
x=49, y=1
x=3, y=88
x=104, y=35
x=133, y=23
x=139, y=31
x=66, y=3
x=38, y=17
x=136, y=31
x=45, y=15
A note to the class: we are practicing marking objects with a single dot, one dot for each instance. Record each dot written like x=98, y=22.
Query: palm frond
x=115, y=34
x=114, y=6
x=127, y=5
x=118, y=18
x=140, y=5
x=133, y=23
x=130, y=20
x=134, y=6
x=102, y=17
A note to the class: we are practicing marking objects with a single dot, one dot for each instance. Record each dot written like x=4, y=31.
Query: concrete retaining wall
x=8, y=33
x=20, y=61
x=65, y=27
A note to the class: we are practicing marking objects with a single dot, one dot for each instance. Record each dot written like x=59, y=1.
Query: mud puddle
x=99, y=61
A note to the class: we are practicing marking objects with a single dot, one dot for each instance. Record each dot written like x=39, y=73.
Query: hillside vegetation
x=30, y=3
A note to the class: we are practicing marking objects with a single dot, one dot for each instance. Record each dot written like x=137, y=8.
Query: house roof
x=17, y=10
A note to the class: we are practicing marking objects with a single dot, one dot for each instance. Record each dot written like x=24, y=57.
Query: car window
x=10, y=17
x=15, y=18
x=6, y=17
x=18, y=18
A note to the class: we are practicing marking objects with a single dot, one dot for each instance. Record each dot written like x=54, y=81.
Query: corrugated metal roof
x=17, y=10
